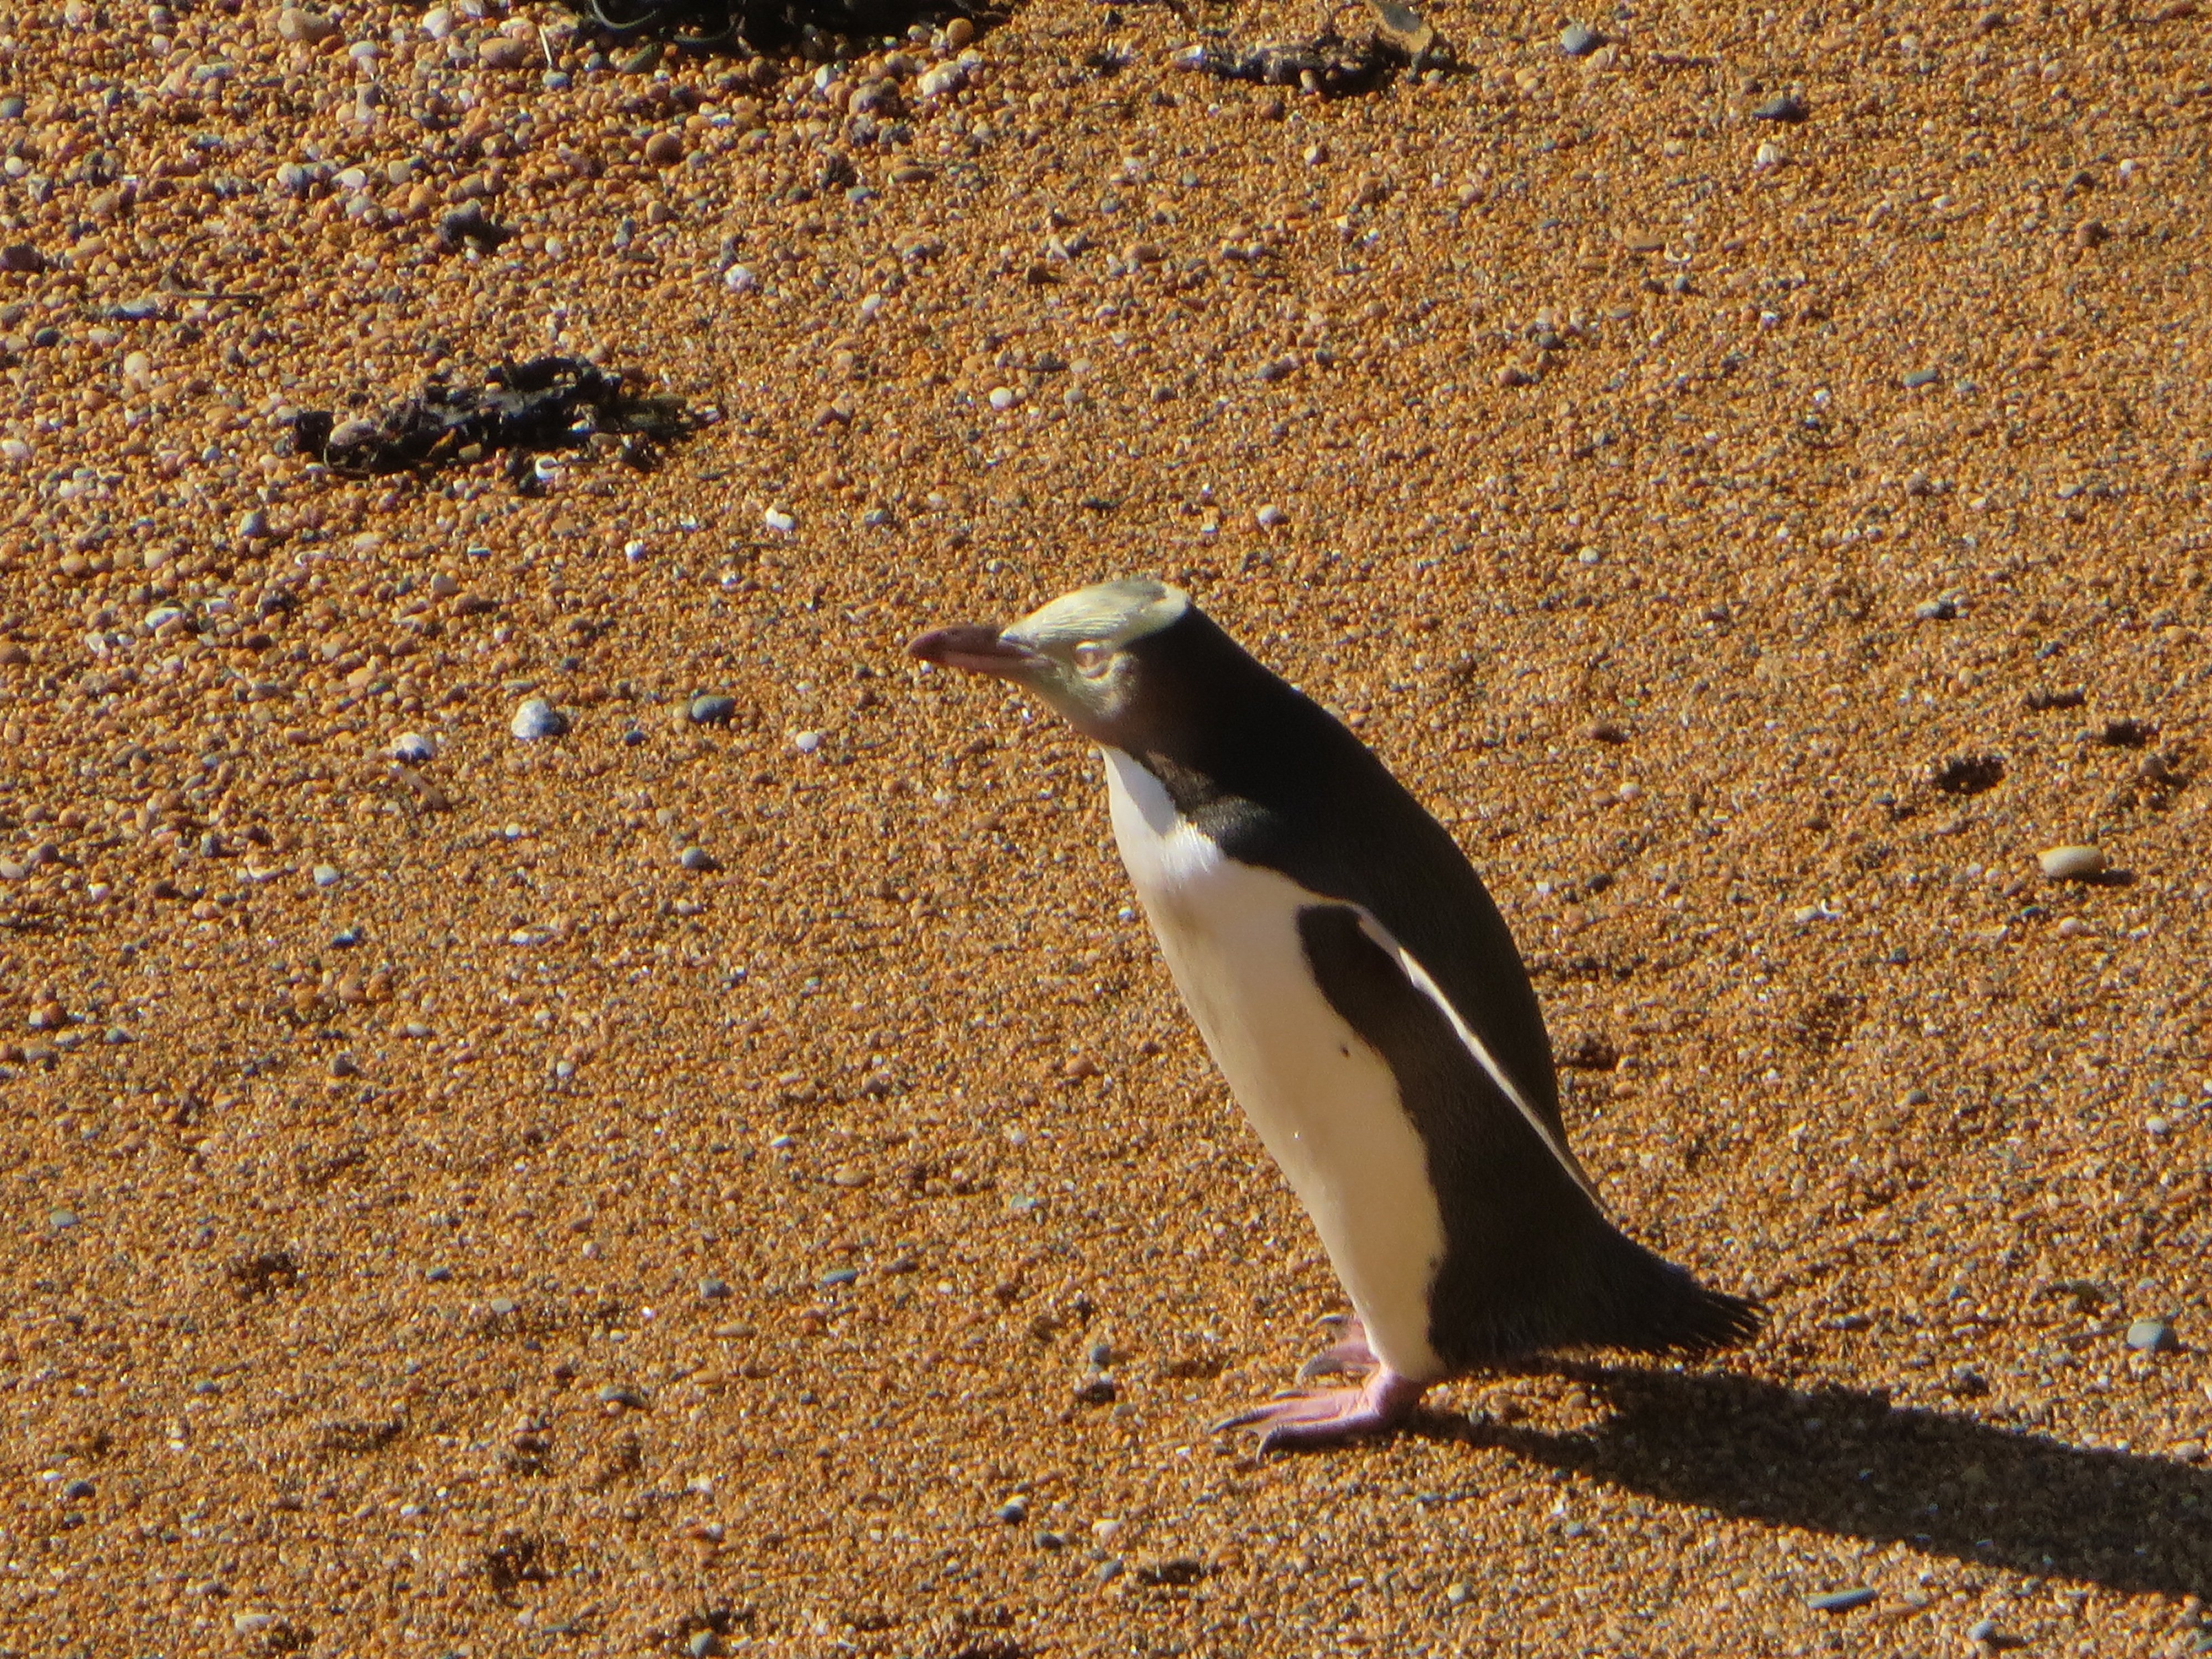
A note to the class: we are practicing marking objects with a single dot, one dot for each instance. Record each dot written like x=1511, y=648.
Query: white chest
x=1322, y=1102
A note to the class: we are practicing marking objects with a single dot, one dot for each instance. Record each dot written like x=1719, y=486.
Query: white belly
x=1323, y=1101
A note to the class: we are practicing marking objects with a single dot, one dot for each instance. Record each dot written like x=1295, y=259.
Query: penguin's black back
x=1531, y=1262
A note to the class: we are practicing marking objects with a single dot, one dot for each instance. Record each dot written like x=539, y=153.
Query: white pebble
x=1270, y=516
x=536, y=718
x=738, y=279
x=326, y=875
x=807, y=742
x=413, y=749
x=437, y=22
x=633, y=551
x=1768, y=154
x=779, y=520
x=2072, y=863
x=1003, y=398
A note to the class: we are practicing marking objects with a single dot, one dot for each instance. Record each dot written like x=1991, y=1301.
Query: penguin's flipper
x=1531, y=1262
x=1419, y=978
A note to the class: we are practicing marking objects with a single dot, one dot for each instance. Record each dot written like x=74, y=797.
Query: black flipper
x=1531, y=1262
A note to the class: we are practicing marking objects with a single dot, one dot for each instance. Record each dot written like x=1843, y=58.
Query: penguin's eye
x=1090, y=659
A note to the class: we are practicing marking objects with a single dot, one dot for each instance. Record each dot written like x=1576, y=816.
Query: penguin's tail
x=1652, y=1306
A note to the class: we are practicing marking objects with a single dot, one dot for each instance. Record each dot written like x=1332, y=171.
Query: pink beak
x=977, y=649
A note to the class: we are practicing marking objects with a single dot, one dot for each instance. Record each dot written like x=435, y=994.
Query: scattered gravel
x=1455, y=321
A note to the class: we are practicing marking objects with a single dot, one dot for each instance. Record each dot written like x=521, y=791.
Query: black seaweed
x=756, y=25
x=524, y=409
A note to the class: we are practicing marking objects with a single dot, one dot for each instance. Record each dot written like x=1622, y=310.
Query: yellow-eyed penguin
x=1364, y=998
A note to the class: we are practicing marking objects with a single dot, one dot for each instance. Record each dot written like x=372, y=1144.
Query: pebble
x=2078, y=863
x=1935, y=610
x=664, y=149
x=713, y=1290
x=77, y=1491
x=536, y=718
x=1982, y=1630
x=503, y=52
x=297, y=23
x=1579, y=40
x=780, y=521
x=1783, y=107
x=807, y=742
x=1840, y=1601
x=1768, y=155
x=837, y=1276
x=696, y=858
x=739, y=279
x=326, y=875
x=1003, y=398
x=413, y=749
x=438, y=1275
x=711, y=708
x=945, y=77
x=1271, y=517
x=1921, y=376
x=2150, y=1336
x=1013, y=1511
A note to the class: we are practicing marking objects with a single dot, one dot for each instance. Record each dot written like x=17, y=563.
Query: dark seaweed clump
x=756, y=25
x=522, y=409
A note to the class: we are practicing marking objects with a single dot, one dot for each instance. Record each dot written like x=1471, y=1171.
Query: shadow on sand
x=1842, y=1462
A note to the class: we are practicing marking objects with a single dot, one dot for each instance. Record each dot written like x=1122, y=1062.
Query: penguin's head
x=1076, y=652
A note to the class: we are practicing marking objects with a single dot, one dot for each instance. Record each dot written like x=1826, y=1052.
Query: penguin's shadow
x=1847, y=1463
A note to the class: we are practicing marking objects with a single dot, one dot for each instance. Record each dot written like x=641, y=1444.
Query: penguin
x=1362, y=998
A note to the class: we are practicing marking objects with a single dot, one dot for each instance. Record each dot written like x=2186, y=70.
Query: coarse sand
x=735, y=1177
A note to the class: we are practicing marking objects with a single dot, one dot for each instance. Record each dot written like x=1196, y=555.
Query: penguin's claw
x=1322, y=1417
x=1348, y=1356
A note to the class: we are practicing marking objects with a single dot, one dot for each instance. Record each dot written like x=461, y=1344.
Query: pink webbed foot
x=1348, y=1356
x=1323, y=1417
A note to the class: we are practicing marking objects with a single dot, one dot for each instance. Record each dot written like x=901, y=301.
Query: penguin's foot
x=1322, y=1417
x=1348, y=1356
